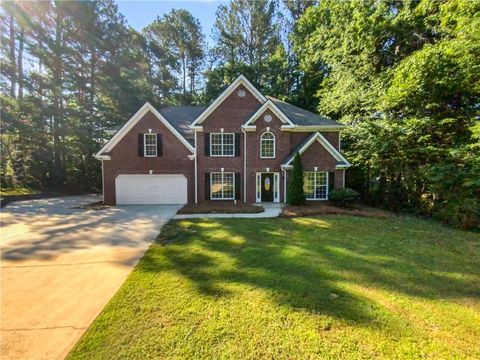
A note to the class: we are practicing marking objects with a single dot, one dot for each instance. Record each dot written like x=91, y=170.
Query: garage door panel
x=150, y=189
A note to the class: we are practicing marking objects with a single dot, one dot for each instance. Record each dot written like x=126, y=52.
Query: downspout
x=284, y=185
x=244, y=165
x=195, y=166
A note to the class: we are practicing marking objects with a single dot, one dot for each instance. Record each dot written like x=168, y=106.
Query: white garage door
x=151, y=189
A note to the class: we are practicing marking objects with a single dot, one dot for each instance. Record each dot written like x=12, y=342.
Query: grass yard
x=330, y=287
x=18, y=191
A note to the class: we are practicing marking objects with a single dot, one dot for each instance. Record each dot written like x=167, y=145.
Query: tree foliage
x=405, y=75
x=73, y=69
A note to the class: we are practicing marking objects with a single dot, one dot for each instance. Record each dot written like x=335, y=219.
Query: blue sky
x=141, y=13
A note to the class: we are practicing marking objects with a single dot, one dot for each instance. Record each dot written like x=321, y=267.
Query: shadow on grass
x=311, y=264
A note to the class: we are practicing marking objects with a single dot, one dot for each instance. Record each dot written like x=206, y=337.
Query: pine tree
x=295, y=194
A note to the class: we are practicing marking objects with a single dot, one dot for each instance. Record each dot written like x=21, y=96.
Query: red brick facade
x=228, y=117
x=125, y=159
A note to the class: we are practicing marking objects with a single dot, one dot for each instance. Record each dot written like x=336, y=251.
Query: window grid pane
x=150, y=147
x=267, y=146
x=222, y=186
x=315, y=185
x=222, y=144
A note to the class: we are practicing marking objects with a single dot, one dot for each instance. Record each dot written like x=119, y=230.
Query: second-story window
x=222, y=144
x=267, y=146
x=150, y=145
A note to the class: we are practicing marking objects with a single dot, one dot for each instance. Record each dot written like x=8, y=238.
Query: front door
x=267, y=187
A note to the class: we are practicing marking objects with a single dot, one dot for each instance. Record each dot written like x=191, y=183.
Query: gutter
x=244, y=165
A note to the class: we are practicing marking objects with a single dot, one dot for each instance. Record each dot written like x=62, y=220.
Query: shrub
x=463, y=213
x=343, y=197
x=295, y=194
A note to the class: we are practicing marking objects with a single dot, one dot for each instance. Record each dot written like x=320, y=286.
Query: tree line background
x=404, y=75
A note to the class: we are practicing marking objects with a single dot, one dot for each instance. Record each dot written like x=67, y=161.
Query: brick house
x=240, y=147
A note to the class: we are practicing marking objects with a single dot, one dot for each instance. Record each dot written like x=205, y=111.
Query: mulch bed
x=310, y=209
x=220, y=207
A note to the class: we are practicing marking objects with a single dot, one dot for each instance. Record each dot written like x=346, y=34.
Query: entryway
x=268, y=187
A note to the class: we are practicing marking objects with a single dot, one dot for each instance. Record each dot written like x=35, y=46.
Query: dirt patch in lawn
x=220, y=207
x=310, y=209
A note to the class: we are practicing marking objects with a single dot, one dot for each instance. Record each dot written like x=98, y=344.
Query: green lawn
x=18, y=191
x=330, y=287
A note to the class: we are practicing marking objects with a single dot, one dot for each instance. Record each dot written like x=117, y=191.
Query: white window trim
x=222, y=134
x=326, y=179
x=145, y=145
x=223, y=173
x=274, y=145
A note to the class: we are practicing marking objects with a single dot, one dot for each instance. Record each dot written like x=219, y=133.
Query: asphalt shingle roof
x=182, y=116
x=301, y=116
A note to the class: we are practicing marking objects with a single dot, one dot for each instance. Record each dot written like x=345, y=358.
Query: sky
x=141, y=13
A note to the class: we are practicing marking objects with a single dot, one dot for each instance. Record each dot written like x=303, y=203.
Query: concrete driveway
x=60, y=265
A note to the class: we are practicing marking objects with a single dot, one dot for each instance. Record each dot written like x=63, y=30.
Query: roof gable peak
x=269, y=104
x=110, y=144
x=240, y=80
x=317, y=136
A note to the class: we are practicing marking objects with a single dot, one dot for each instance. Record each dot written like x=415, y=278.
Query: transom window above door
x=267, y=146
x=222, y=144
x=150, y=145
x=315, y=185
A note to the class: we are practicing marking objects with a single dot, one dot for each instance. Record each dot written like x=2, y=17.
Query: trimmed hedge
x=343, y=197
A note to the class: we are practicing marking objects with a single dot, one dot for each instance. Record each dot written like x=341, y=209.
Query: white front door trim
x=276, y=186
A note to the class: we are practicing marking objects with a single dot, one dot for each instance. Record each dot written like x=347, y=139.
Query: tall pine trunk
x=13, y=60
x=184, y=68
x=21, y=44
x=57, y=99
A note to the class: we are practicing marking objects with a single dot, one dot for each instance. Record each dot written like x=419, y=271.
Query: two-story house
x=240, y=147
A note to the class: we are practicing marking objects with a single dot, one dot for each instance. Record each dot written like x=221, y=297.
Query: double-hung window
x=315, y=185
x=222, y=144
x=267, y=146
x=222, y=185
x=150, y=145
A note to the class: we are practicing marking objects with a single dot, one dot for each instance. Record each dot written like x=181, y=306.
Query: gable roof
x=301, y=116
x=132, y=122
x=181, y=117
x=341, y=161
x=241, y=80
x=269, y=104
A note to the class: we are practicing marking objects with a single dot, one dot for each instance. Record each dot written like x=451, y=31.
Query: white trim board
x=241, y=80
x=132, y=122
x=273, y=108
x=276, y=186
x=326, y=144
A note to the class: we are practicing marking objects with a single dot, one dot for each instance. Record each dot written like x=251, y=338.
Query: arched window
x=267, y=146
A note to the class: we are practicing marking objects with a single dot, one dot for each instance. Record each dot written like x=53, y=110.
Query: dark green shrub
x=463, y=213
x=295, y=194
x=343, y=197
